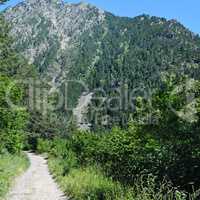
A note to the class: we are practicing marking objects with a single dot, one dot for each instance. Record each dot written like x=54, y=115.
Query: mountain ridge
x=83, y=43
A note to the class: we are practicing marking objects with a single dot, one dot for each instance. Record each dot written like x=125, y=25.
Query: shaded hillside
x=80, y=42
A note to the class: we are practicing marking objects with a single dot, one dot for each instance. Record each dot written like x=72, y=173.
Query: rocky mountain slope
x=48, y=33
x=99, y=50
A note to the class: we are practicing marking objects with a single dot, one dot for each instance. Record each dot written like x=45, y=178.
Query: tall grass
x=89, y=183
x=82, y=178
x=85, y=183
x=10, y=167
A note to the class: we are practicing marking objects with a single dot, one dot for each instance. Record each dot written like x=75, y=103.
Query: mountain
x=95, y=49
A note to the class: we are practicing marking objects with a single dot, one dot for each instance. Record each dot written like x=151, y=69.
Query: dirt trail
x=36, y=183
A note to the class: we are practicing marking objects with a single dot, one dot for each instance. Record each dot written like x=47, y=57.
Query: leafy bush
x=12, y=120
x=60, y=148
x=162, y=149
x=123, y=154
x=61, y=167
x=74, y=168
x=12, y=141
x=43, y=146
x=146, y=188
x=91, y=183
x=85, y=145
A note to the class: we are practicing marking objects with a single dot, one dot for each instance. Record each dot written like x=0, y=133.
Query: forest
x=150, y=153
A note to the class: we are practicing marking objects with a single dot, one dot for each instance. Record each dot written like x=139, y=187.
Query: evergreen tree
x=13, y=119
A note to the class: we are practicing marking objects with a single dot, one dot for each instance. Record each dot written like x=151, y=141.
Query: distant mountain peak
x=82, y=43
x=43, y=2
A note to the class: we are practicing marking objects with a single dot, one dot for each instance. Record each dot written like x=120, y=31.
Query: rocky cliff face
x=48, y=34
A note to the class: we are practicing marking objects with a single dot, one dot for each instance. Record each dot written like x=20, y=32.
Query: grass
x=10, y=167
x=85, y=183
x=90, y=183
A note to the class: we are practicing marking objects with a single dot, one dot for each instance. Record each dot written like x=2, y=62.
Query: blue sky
x=185, y=11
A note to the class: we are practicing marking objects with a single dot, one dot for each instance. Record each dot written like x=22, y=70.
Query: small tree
x=12, y=120
x=176, y=107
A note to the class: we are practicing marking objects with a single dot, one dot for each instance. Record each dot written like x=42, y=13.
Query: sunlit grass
x=10, y=167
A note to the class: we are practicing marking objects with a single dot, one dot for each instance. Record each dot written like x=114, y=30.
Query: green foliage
x=11, y=63
x=62, y=166
x=89, y=183
x=59, y=148
x=122, y=154
x=10, y=167
x=13, y=120
x=62, y=158
x=85, y=145
x=43, y=146
x=13, y=114
x=146, y=188
x=167, y=147
x=79, y=183
x=167, y=150
x=177, y=131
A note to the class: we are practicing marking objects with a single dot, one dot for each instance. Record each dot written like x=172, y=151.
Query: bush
x=146, y=188
x=12, y=142
x=13, y=119
x=85, y=145
x=123, y=154
x=43, y=146
x=61, y=167
x=70, y=162
x=91, y=183
x=59, y=148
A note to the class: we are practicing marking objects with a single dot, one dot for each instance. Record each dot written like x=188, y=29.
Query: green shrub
x=147, y=188
x=70, y=162
x=12, y=141
x=59, y=148
x=13, y=119
x=43, y=146
x=55, y=167
x=123, y=154
x=85, y=145
x=91, y=184
x=61, y=167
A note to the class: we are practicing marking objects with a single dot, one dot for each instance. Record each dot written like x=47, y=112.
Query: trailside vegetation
x=13, y=113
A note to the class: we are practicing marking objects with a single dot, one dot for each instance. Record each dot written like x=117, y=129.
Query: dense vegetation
x=149, y=151
x=12, y=118
x=121, y=56
x=162, y=153
x=136, y=54
x=91, y=182
x=13, y=114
